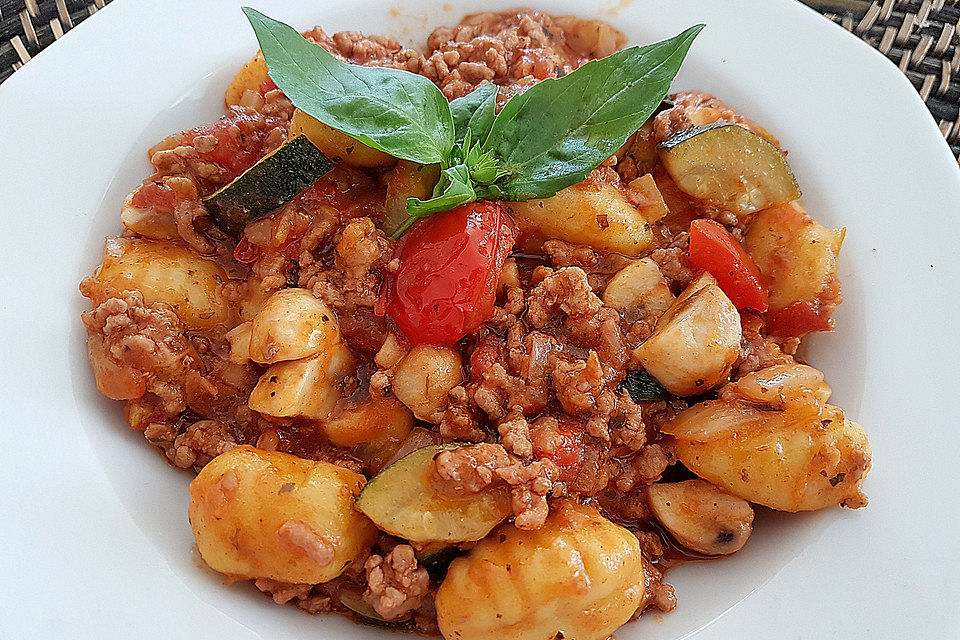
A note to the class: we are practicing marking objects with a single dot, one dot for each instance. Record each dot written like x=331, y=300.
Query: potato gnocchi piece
x=591, y=213
x=701, y=517
x=695, y=341
x=167, y=273
x=797, y=257
x=424, y=377
x=579, y=576
x=639, y=288
x=306, y=388
x=337, y=145
x=292, y=324
x=800, y=458
x=250, y=76
x=266, y=514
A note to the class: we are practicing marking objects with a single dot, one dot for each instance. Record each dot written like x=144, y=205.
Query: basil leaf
x=475, y=112
x=642, y=386
x=559, y=130
x=454, y=189
x=397, y=112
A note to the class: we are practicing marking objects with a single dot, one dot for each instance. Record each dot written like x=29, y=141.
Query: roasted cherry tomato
x=797, y=319
x=450, y=266
x=714, y=249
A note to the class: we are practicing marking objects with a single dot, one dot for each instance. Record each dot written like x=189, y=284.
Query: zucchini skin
x=686, y=134
x=273, y=181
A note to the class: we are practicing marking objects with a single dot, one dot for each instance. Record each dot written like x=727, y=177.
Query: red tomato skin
x=154, y=194
x=797, y=319
x=231, y=152
x=450, y=265
x=714, y=249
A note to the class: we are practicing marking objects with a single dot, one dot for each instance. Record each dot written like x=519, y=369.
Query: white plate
x=95, y=541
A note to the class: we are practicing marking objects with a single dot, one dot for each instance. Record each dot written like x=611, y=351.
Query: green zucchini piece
x=268, y=185
x=437, y=556
x=729, y=167
x=642, y=386
x=401, y=500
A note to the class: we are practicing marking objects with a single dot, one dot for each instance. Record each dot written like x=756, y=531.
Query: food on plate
x=477, y=340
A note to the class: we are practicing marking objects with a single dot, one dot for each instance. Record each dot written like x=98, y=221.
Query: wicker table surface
x=920, y=36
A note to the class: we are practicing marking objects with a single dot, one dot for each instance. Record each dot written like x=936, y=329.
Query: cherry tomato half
x=450, y=266
x=714, y=249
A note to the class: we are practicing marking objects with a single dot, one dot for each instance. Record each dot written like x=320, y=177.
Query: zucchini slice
x=729, y=167
x=268, y=185
x=401, y=500
x=366, y=614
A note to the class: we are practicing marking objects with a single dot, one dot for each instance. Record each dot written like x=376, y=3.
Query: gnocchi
x=592, y=213
x=797, y=257
x=249, y=77
x=802, y=457
x=167, y=273
x=584, y=573
x=265, y=514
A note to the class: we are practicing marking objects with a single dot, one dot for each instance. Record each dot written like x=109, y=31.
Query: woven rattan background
x=920, y=36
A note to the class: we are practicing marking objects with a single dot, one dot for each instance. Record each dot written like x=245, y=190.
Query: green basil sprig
x=543, y=140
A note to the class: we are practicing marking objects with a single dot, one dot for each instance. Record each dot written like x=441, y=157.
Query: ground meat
x=657, y=595
x=476, y=467
x=529, y=487
x=396, y=585
x=470, y=469
x=137, y=348
x=515, y=435
x=360, y=256
x=695, y=108
x=757, y=351
x=372, y=51
x=300, y=537
x=352, y=284
x=310, y=598
x=509, y=48
x=599, y=268
x=587, y=322
x=644, y=468
x=213, y=155
x=199, y=444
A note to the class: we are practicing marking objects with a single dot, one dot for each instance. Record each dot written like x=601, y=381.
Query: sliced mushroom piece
x=701, y=517
x=695, y=342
